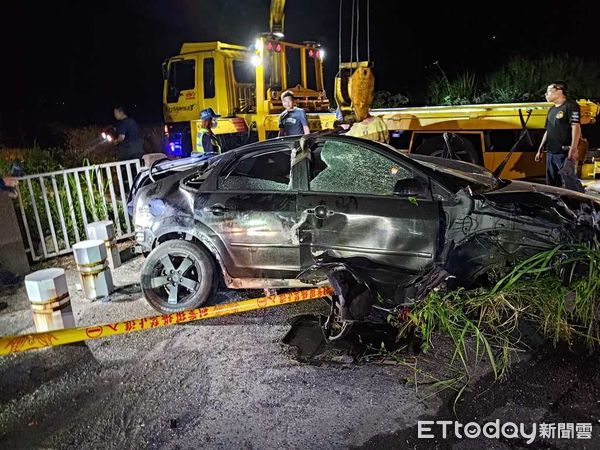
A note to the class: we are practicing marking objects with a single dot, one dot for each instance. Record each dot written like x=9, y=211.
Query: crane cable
x=340, y=35
x=352, y=32
x=354, y=38
x=368, y=31
x=357, y=28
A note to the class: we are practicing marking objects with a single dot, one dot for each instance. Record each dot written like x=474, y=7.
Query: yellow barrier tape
x=33, y=341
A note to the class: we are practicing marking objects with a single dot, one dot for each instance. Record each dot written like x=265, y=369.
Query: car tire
x=178, y=275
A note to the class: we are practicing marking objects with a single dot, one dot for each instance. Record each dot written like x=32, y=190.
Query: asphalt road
x=230, y=383
x=226, y=382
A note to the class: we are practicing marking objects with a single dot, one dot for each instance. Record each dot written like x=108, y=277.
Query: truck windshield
x=181, y=78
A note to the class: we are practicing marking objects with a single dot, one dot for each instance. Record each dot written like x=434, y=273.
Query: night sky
x=70, y=61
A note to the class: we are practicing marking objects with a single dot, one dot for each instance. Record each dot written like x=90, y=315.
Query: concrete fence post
x=50, y=303
x=105, y=231
x=94, y=272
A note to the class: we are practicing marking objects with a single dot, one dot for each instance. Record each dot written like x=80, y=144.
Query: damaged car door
x=251, y=215
x=361, y=203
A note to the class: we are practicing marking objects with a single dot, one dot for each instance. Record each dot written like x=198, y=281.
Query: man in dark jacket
x=129, y=143
x=561, y=139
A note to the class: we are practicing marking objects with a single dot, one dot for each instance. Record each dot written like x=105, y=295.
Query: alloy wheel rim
x=175, y=277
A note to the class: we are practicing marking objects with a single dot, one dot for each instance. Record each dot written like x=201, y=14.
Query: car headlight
x=157, y=207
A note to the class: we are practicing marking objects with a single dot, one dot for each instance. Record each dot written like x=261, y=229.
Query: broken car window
x=267, y=171
x=195, y=180
x=348, y=168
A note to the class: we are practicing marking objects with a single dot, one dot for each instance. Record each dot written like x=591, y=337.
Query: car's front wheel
x=178, y=275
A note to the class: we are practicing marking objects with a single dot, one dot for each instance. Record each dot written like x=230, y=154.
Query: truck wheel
x=178, y=275
x=462, y=148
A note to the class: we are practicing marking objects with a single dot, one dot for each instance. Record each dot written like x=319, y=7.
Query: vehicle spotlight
x=108, y=134
x=256, y=60
x=106, y=137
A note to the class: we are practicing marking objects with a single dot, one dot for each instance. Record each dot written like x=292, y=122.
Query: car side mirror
x=410, y=187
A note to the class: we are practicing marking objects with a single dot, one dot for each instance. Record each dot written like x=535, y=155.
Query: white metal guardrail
x=56, y=207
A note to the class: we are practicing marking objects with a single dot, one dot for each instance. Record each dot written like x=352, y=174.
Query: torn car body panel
x=391, y=232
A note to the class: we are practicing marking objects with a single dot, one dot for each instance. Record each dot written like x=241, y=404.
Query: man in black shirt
x=563, y=131
x=129, y=143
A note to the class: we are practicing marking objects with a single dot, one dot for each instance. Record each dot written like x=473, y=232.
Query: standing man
x=293, y=120
x=561, y=139
x=206, y=141
x=129, y=143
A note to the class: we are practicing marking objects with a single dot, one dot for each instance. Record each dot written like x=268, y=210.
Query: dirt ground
x=230, y=383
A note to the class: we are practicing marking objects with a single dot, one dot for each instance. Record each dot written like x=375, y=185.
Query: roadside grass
x=92, y=201
x=521, y=79
x=556, y=292
x=460, y=90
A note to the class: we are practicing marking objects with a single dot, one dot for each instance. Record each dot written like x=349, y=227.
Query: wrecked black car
x=374, y=222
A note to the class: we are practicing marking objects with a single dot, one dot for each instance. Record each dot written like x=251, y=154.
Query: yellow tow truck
x=244, y=84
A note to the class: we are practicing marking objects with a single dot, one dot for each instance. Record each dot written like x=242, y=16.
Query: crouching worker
x=206, y=141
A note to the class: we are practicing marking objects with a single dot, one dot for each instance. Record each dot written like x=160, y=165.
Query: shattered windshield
x=346, y=167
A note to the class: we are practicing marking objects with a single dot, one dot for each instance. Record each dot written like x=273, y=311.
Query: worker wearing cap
x=206, y=141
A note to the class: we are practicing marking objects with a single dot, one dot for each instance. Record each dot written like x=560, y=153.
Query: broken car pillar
x=105, y=231
x=50, y=303
x=95, y=275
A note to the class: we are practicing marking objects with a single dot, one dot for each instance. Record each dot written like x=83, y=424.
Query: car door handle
x=321, y=212
x=216, y=209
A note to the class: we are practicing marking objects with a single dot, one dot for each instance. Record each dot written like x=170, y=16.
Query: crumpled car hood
x=515, y=186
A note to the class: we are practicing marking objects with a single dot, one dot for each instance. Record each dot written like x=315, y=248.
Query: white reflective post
x=105, y=231
x=94, y=272
x=50, y=303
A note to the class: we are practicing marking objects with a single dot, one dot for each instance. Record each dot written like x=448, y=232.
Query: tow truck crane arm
x=277, y=16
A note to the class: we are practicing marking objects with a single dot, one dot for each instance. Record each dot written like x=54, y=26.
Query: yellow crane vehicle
x=243, y=85
x=482, y=134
